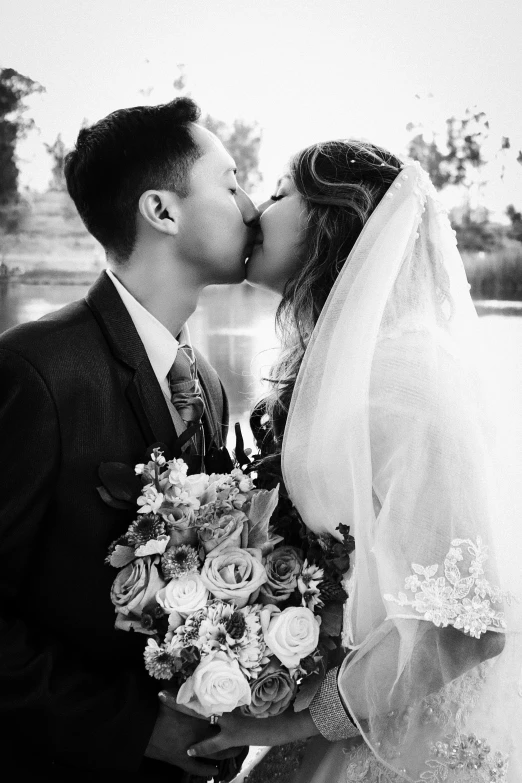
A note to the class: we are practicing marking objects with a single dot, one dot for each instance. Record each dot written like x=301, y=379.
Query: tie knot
x=184, y=367
x=184, y=385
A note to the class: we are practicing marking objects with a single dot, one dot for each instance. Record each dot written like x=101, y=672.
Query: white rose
x=217, y=686
x=184, y=595
x=196, y=485
x=292, y=634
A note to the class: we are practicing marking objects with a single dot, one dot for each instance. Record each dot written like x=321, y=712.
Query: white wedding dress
x=389, y=433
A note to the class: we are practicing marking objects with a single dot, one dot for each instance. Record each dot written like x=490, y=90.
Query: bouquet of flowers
x=233, y=613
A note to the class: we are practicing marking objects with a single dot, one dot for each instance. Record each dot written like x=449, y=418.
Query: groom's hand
x=173, y=734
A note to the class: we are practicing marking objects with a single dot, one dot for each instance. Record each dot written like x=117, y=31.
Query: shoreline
x=50, y=278
x=59, y=278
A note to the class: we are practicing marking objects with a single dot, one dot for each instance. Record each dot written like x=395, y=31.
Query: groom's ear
x=160, y=209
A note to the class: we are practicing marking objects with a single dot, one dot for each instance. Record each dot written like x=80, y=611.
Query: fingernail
x=162, y=695
x=191, y=752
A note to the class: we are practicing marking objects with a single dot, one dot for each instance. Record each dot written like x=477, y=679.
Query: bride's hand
x=236, y=729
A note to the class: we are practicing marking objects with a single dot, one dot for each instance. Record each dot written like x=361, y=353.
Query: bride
x=380, y=415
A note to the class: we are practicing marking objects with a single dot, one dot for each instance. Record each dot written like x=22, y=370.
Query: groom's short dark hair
x=123, y=155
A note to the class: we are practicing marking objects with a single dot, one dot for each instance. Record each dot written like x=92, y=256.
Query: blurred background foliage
x=458, y=163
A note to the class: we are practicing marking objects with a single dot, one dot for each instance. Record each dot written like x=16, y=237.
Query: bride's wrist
x=301, y=725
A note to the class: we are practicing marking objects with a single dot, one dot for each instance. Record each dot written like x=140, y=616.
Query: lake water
x=234, y=327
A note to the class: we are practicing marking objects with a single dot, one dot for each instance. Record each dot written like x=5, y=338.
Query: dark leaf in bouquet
x=121, y=556
x=162, y=625
x=314, y=552
x=107, y=498
x=120, y=480
x=294, y=599
x=348, y=540
x=341, y=564
x=242, y=457
x=332, y=619
x=236, y=625
x=307, y=690
x=189, y=658
x=261, y=509
x=328, y=643
x=312, y=664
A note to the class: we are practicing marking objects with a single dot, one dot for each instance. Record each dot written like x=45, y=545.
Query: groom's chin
x=236, y=275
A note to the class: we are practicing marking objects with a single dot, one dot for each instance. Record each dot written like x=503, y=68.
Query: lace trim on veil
x=443, y=600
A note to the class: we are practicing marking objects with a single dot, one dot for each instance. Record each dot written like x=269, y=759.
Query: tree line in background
x=492, y=252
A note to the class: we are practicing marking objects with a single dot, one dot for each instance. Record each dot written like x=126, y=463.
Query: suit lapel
x=143, y=392
x=147, y=400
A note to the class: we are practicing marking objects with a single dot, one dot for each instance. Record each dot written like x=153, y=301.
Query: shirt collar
x=160, y=345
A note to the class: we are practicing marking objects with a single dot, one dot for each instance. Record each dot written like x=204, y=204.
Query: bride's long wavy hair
x=341, y=183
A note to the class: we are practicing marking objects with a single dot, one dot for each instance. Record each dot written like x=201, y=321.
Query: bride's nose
x=248, y=209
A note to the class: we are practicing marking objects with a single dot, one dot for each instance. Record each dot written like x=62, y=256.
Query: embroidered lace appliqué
x=456, y=700
x=363, y=767
x=465, y=759
x=443, y=600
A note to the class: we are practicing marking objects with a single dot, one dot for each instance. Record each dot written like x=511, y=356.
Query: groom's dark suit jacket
x=76, y=389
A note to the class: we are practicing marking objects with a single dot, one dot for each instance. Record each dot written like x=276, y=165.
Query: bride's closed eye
x=276, y=198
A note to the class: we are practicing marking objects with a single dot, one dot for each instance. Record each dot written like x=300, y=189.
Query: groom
x=100, y=381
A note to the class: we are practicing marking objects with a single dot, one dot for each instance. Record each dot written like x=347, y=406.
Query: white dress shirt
x=160, y=345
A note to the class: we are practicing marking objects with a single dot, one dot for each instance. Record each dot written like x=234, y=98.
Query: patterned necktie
x=185, y=391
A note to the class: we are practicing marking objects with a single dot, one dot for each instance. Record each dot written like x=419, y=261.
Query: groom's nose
x=265, y=205
x=248, y=209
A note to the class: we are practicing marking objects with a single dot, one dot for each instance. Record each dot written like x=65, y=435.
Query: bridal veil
x=389, y=432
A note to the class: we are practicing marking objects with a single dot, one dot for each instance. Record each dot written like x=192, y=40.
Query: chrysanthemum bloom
x=145, y=528
x=250, y=648
x=310, y=578
x=311, y=598
x=212, y=633
x=158, y=661
x=178, y=561
x=236, y=626
x=204, y=627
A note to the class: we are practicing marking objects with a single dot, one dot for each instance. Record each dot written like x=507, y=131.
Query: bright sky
x=304, y=69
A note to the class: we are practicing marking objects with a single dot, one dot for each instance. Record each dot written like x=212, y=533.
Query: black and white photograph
x=260, y=391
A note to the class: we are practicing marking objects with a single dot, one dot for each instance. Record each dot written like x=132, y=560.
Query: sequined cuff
x=328, y=713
